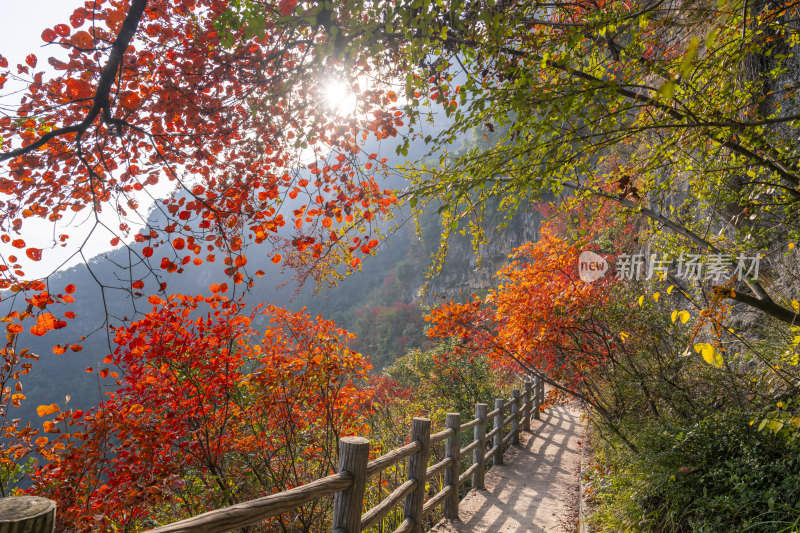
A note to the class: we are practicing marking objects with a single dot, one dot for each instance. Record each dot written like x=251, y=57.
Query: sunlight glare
x=339, y=97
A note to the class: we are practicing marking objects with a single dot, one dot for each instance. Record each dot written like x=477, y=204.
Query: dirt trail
x=536, y=489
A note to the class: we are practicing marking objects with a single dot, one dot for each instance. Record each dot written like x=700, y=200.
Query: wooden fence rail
x=348, y=485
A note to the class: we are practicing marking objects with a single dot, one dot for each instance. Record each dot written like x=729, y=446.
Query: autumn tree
x=542, y=319
x=208, y=413
x=683, y=113
x=153, y=98
x=187, y=137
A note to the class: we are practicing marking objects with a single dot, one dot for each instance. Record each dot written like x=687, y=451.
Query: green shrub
x=717, y=475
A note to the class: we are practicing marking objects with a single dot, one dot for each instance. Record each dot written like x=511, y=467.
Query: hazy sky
x=22, y=22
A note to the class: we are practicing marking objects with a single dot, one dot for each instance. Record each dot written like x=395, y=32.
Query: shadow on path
x=530, y=493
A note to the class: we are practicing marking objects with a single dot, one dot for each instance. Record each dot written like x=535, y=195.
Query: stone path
x=536, y=490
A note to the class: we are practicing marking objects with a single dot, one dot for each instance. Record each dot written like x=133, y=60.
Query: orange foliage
x=202, y=400
x=538, y=315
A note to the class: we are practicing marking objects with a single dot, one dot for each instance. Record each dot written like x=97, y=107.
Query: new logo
x=591, y=266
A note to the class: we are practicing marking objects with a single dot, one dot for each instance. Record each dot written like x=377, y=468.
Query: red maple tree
x=208, y=413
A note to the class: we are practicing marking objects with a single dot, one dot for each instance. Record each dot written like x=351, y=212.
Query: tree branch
x=103, y=91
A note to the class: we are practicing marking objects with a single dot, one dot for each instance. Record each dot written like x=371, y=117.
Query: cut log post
x=537, y=404
x=478, y=453
x=526, y=413
x=27, y=514
x=515, y=417
x=347, y=504
x=452, y=449
x=417, y=465
x=498, y=436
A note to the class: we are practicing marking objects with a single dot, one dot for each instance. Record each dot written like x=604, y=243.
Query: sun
x=339, y=97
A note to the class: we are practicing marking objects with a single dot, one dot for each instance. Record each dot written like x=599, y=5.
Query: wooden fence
x=348, y=485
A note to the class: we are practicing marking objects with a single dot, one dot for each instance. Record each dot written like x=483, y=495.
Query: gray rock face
x=465, y=273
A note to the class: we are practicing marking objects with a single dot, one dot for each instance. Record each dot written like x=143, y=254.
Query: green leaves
x=691, y=53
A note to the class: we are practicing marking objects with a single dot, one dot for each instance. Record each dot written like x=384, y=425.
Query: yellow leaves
x=44, y=410
x=682, y=315
x=656, y=296
x=796, y=306
x=623, y=335
x=791, y=246
x=669, y=289
x=641, y=300
x=709, y=354
x=774, y=425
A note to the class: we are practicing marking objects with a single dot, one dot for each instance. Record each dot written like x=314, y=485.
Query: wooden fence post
x=347, y=504
x=498, y=436
x=27, y=514
x=515, y=417
x=541, y=392
x=477, y=453
x=417, y=465
x=452, y=449
x=537, y=403
x=526, y=413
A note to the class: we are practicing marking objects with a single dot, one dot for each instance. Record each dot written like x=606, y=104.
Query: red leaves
x=131, y=101
x=77, y=18
x=46, y=322
x=62, y=30
x=215, y=288
x=31, y=60
x=69, y=289
x=276, y=258
x=18, y=243
x=184, y=373
x=77, y=88
x=82, y=40
x=34, y=254
x=147, y=251
x=287, y=7
x=49, y=35
x=114, y=20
